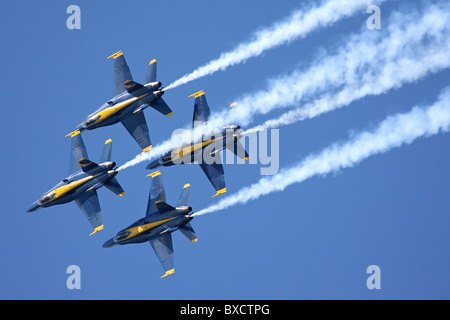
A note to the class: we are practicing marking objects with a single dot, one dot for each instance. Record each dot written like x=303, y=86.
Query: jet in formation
x=195, y=151
x=85, y=177
x=129, y=101
x=160, y=221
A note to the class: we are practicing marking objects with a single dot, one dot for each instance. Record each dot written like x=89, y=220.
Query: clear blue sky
x=314, y=240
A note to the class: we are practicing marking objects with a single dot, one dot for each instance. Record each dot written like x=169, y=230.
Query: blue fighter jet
x=85, y=177
x=159, y=222
x=129, y=101
x=228, y=137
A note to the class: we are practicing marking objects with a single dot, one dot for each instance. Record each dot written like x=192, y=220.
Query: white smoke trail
x=391, y=75
x=299, y=24
x=403, y=51
x=361, y=61
x=393, y=132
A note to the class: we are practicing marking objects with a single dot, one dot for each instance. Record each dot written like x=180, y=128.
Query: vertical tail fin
x=184, y=196
x=106, y=154
x=151, y=73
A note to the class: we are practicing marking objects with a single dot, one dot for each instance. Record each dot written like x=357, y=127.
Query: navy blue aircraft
x=85, y=177
x=159, y=222
x=195, y=151
x=130, y=99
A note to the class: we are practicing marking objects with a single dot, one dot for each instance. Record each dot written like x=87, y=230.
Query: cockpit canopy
x=121, y=235
x=92, y=120
x=47, y=197
x=167, y=157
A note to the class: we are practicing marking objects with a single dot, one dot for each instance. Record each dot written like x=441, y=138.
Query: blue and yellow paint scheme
x=129, y=101
x=228, y=137
x=85, y=177
x=160, y=221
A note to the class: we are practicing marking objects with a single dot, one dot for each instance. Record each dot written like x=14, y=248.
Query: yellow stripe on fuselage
x=179, y=153
x=67, y=188
x=108, y=112
x=139, y=229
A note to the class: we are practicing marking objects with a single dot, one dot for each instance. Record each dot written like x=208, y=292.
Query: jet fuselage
x=75, y=184
x=146, y=229
x=120, y=107
x=196, y=151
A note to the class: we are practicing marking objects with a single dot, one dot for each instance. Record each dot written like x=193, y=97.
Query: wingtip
x=115, y=55
x=73, y=133
x=152, y=61
x=99, y=228
x=108, y=141
x=154, y=174
x=187, y=185
x=219, y=192
x=197, y=94
x=147, y=149
x=168, y=273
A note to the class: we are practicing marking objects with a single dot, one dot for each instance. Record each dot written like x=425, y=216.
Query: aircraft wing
x=137, y=126
x=78, y=152
x=201, y=108
x=157, y=194
x=215, y=174
x=121, y=72
x=90, y=206
x=164, y=250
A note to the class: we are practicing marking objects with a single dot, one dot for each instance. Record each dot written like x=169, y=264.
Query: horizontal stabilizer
x=87, y=165
x=161, y=106
x=115, y=187
x=163, y=207
x=136, y=89
x=188, y=231
x=238, y=149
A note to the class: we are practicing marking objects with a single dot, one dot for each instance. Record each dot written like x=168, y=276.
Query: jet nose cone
x=34, y=207
x=109, y=243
